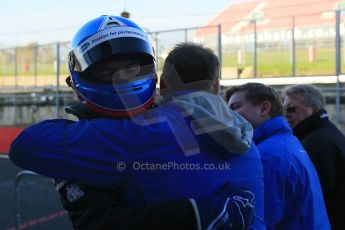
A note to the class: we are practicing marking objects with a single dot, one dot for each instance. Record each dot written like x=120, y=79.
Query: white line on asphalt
x=3, y=156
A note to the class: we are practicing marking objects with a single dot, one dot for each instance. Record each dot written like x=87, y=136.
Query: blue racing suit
x=190, y=146
x=293, y=195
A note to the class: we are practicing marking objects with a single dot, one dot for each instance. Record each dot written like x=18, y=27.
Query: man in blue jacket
x=191, y=146
x=293, y=196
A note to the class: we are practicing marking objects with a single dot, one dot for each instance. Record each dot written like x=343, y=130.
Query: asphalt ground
x=39, y=205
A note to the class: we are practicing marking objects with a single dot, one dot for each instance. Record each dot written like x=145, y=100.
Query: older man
x=304, y=107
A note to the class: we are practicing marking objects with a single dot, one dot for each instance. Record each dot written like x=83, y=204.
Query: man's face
x=252, y=113
x=295, y=111
x=116, y=71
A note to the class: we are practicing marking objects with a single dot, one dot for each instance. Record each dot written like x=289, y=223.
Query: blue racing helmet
x=112, y=39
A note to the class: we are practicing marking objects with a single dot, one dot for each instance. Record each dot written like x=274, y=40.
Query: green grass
x=41, y=70
x=269, y=64
x=277, y=63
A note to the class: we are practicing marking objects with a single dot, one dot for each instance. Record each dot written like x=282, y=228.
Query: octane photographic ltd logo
x=171, y=166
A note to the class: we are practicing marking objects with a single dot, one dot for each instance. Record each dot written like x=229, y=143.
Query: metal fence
x=37, y=203
x=296, y=49
x=246, y=50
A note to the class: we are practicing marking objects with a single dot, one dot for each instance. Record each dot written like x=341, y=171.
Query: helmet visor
x=119, y=71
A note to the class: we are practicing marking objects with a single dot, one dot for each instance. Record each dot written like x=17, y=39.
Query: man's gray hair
x=309, y=94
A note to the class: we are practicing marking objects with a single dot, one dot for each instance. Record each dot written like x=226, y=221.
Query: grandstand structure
x=277, y=28
x=274, y=20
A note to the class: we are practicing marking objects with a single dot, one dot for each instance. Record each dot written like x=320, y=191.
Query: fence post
x=293, y=48
x=338, y=62
x=255, y=50
x=57, y=79
x=186, y=35
x=16, y=187
x=35, y=64
x=157, y=54
x=15, y=67
x=220, y=49
x=15, y=86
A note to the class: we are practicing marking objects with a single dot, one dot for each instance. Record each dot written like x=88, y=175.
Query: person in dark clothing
x=101, y=209
x=304, y=108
